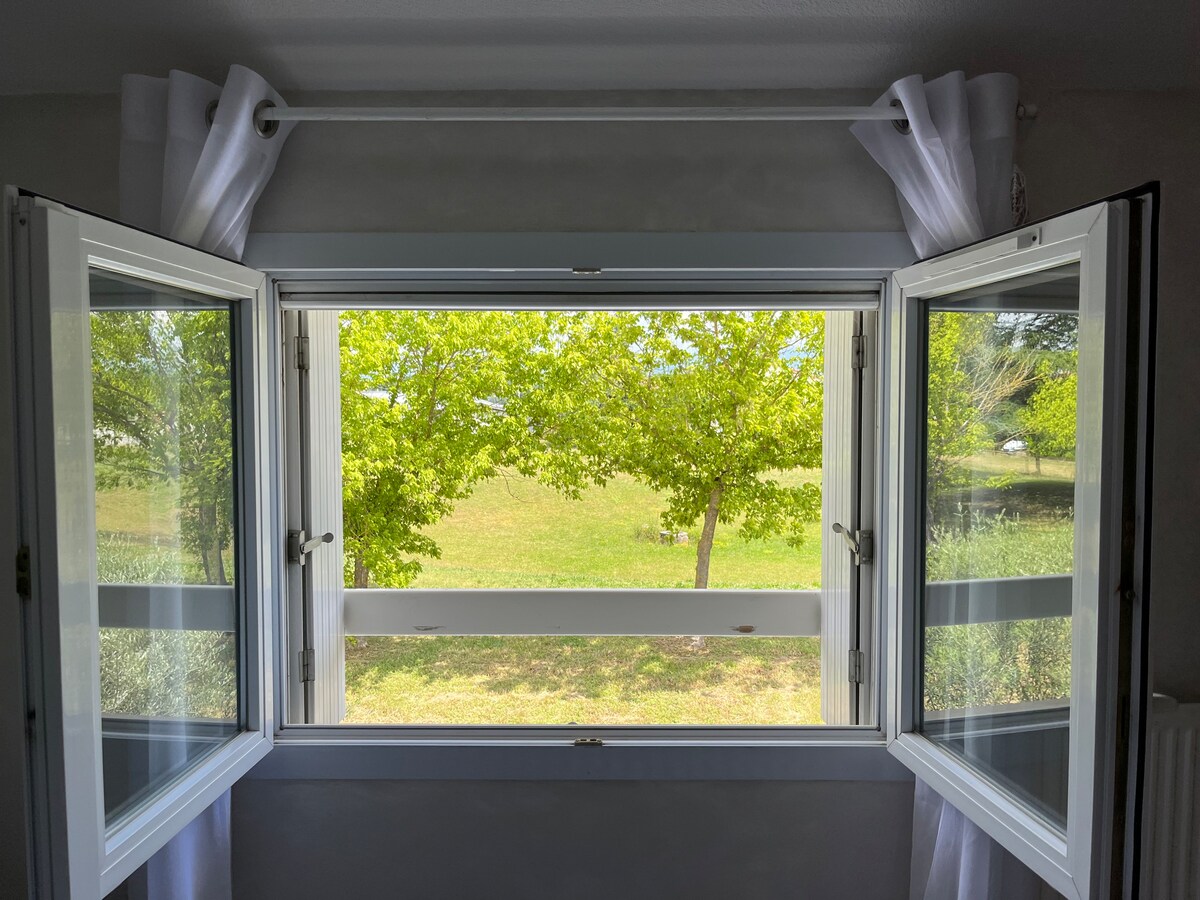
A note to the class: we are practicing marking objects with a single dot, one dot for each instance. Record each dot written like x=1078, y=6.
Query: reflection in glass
x=162, y=401
x=999, y=530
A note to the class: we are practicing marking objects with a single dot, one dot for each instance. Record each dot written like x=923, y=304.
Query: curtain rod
x=270, y=113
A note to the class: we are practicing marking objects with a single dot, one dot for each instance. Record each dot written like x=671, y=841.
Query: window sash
x=1095, y=238
x=54, y=248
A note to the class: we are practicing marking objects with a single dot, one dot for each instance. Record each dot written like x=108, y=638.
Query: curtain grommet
x=901, y=125
x=265, y=127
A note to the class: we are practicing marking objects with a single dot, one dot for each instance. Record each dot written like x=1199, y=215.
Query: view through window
x=489, y=455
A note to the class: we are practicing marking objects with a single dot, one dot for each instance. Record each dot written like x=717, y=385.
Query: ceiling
x=84, y=46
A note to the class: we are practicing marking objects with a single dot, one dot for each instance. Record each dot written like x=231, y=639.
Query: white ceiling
x=83, y=46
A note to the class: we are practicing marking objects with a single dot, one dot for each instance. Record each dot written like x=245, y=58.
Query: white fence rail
x=178, y=607
x=997, y=600
x=380, y=611
x=377, y=611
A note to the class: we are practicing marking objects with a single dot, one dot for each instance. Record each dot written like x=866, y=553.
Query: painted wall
x=1089, y=144
x=626, y=839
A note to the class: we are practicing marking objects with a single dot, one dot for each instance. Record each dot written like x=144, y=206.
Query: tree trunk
x=1037, y=464
x=362, y=575
x=704, y=547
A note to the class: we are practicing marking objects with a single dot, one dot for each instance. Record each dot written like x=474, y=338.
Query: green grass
x=514, y=532
x=996, y=663
x=594, y=681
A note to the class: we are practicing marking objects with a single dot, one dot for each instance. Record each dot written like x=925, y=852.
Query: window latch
x=861, y=544
x=299, y=545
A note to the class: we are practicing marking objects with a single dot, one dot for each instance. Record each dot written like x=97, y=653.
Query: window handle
x=861, y=543
x=299, y=545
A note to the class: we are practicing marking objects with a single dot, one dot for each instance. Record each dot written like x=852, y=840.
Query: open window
x=146, y=556
x=165, y=404
x=1017, y=527
x=581, y=511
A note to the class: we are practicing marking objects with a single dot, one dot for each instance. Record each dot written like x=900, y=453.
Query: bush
x=158, y=672
x=995, y=663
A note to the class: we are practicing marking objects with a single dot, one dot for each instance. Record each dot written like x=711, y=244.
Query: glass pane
x=166, y=564
x=596, y=450
x=999, y=530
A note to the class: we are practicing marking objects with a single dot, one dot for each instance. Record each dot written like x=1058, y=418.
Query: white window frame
x=333, y=271
x=548, y=611
x=1096, y=238
x=54, y=247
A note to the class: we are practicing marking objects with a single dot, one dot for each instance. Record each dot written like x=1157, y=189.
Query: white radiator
x=1171, y=837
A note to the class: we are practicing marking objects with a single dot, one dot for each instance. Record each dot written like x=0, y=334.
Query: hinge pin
x=857, y=664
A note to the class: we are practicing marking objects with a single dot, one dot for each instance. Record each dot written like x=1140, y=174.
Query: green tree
x=705, y=408
x=161, y=401
x=973, y=373
x=1048, y=419
x=425, y=417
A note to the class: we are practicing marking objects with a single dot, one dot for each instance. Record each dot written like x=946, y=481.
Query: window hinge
x=307, y=664
x=857, y=664
x=858, y=351
x=589, y=742
x=24, y=572
x=301, y=353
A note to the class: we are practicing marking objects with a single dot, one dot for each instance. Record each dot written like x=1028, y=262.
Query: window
x=483, y=515
x=145, y=543
x=595, y=512
x=1018, y=531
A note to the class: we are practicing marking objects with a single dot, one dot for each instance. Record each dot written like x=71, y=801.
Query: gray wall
x=602, y=840
x=771, y=839
x=1086, y=145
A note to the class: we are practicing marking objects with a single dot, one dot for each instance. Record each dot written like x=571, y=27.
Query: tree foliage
x=704, y=408
x=424, y=399
x=1048, y=420
x=161, y=400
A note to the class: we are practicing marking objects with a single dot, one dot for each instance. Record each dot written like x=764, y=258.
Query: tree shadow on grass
x=1032, y=499
x=591, y=668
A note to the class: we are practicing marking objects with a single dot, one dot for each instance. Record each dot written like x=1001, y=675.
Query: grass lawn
x=594, y=681
x=514, y=532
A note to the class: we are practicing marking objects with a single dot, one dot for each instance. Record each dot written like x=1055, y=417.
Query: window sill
x=316, y=754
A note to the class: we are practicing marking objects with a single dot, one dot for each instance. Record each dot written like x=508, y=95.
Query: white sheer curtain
x=196, y=864
x=952, y=166
x=953, y=859
x=193, y=163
